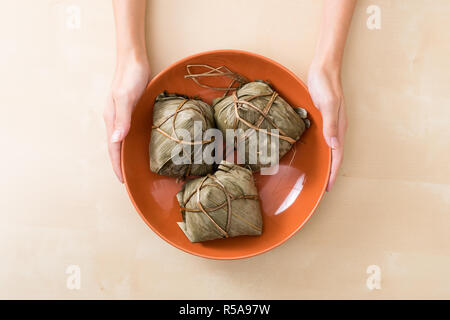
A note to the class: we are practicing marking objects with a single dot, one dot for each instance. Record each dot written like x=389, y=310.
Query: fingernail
x=115, y=137
x=327, y=140
x=334, y=143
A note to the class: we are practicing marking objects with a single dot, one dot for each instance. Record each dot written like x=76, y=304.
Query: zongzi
x=255, y=110
x=171, y=114
x=220, y=205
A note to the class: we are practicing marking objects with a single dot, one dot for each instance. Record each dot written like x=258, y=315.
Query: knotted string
x=228, y=203
x=221, y=71
x=237, y=104
x=174, y=135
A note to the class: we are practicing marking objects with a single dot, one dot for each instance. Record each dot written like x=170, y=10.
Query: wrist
x=137, y=56
x=327, y=66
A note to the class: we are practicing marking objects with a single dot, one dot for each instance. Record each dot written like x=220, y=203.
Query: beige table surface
x=60, y=204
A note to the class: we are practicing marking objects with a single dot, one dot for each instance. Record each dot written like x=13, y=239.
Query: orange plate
x=288, y=198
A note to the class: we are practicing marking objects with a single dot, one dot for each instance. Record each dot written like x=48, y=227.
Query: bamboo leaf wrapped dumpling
x=171, y=113
x=256, y=106
x=224, y=204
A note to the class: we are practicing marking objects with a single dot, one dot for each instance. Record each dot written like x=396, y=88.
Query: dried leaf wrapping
x=256, y=106
x=170, y=113
x=220, y=205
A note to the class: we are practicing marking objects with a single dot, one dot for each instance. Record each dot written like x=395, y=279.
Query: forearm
x=129, y=17
x=336, y=19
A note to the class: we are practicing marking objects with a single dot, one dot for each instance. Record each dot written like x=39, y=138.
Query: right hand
x=130, y=79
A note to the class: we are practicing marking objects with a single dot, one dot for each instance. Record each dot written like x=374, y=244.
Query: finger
x=113, y=148
x=330, y=115
x=114, y=154
x=337, y=154
x=336, y=160
x=124, y=107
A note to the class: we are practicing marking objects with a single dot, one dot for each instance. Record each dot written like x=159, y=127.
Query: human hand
x=130, y=79
x=326, y=92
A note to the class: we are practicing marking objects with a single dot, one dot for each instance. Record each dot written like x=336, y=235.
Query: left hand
x=326, y=92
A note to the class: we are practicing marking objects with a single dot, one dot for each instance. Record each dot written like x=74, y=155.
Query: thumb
x=330, y=127
x=122, y=122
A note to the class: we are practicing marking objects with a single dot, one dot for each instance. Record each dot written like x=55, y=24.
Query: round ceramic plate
x=288, y=199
